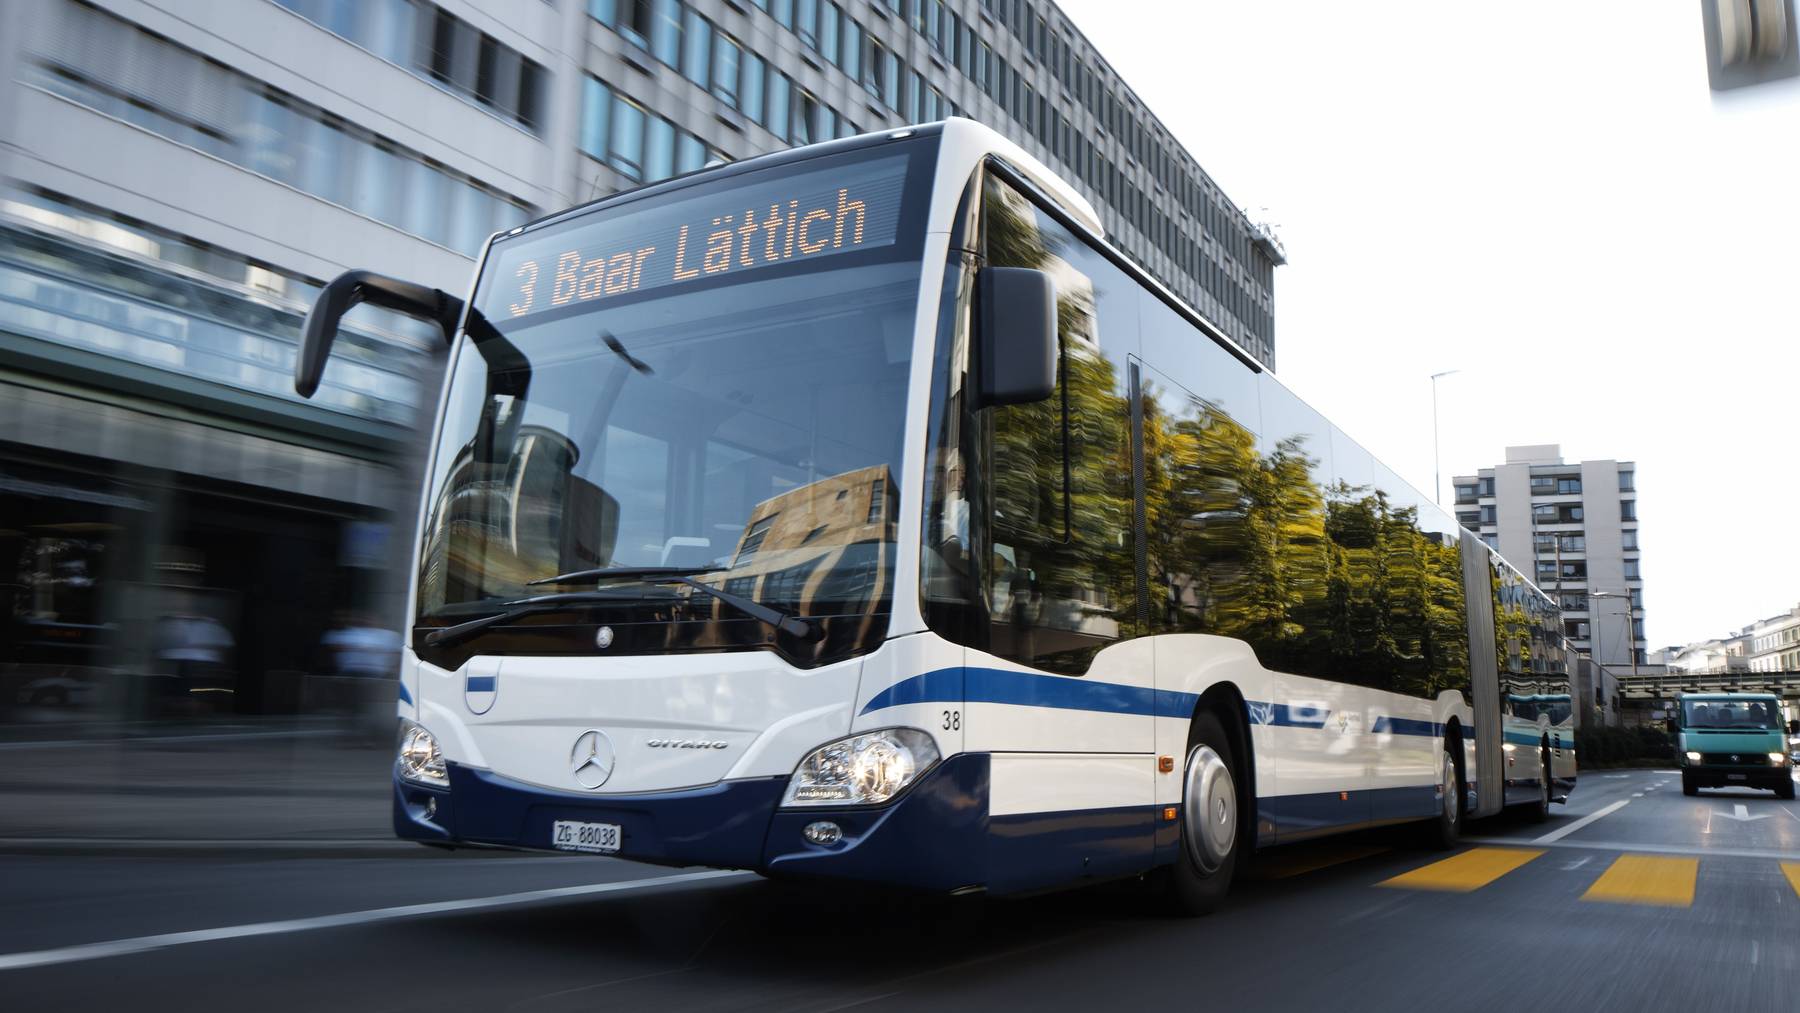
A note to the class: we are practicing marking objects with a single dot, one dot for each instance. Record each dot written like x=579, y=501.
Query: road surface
x=1632, y=897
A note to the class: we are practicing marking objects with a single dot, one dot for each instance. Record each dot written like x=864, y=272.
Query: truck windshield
x=1751, y=714
x=713, y=378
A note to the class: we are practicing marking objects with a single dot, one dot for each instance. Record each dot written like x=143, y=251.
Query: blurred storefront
x=179, y=536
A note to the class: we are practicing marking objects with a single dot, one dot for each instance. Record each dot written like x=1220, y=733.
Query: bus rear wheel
x=1443, y=832
x=1211, y=829
x=1540, y=810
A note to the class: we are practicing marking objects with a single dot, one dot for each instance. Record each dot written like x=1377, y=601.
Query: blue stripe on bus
x=405, y=696
x=1028, y=689
x=1058, y=692
x=1406, y=726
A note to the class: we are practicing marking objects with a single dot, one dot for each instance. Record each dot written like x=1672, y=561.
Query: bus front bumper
x=930, y=838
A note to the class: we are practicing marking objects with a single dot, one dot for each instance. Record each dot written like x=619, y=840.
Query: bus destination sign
x=722, y=230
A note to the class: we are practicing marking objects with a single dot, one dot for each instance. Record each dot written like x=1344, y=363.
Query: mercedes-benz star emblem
x=604, y=638
x=591, y=761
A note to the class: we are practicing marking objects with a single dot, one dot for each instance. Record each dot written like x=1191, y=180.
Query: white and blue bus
x=856, y=511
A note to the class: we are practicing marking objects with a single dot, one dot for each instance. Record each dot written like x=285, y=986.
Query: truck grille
x=1735, y=759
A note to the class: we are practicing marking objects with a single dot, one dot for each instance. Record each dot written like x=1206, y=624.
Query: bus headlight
x=418, y=758
x=1692, y=756
x=1778, y=759
x=866, y=769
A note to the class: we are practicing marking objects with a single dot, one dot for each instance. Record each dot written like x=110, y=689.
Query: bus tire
x=1211, y=823
x=1688, y=787
x=1540, y=810
x=1785, y=789
x=1443, y=832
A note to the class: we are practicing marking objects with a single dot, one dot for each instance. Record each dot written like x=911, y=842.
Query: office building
x=179, y=178
x=1572, y=526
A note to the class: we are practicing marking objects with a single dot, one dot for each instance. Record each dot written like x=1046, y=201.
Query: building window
x=240, y=120
x=806, y=22
x=1628, y=539
x=697, y=59
x=456, y=55
x=1627, y=481
x=1488, y=515
x=1628, y=510
x=1465, y=493
x=780, y=102
x=1568, y=486
x=627, y=147
x=726, y=59
x=1631, y=569
x=751, y=98
x=659, y=150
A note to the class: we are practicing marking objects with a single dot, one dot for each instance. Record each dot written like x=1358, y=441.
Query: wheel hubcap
x=1209, y=799
x=1450, y=789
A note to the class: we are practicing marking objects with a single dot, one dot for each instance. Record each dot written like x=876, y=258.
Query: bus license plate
x=570, y=835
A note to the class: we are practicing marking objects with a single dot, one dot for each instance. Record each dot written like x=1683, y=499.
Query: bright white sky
x=1546, y=196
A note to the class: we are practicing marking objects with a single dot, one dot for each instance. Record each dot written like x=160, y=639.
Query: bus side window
x=1059, y=575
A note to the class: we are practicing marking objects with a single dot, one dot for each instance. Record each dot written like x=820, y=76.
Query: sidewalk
x=256, y=787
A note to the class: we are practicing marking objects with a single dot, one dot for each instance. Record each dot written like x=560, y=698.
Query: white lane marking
x=1636, y=848
x=143, y=944
x=1790, y=812
x=1637, y=794
x=1576, y=864
x=1558, y=834
x=1741, y=813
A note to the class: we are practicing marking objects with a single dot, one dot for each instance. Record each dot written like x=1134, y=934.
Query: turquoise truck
x=1730, y=739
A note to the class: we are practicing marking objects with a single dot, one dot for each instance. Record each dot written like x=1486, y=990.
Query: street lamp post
x=1437, y=467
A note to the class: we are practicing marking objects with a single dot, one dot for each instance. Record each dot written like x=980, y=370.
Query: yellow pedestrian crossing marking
x=1792, y=869
x=1647, y=879
x=1470, y=870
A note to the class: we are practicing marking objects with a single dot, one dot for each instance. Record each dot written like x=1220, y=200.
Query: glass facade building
x=180, y=532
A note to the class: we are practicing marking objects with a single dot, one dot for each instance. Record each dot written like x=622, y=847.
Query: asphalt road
x=1631, y=898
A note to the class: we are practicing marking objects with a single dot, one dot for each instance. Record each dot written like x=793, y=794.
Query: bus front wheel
x=1211, y=831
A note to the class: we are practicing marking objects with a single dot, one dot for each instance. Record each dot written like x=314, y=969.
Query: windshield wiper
x=624, y=573
x=521, y=607
x=792, y=625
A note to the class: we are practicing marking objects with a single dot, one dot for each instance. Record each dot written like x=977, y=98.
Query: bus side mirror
x=346, y=291
x=1016, y=341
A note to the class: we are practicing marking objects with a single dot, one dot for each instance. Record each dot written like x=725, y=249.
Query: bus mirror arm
x=1017, y=340
x=348, y=290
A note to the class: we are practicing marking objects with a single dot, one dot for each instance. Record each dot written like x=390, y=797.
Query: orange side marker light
x=1165, y=763
x=1168, y=814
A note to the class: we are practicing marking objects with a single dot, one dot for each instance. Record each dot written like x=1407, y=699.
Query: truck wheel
x=1210, y=824
x=1688, y=787
x=1785, y=789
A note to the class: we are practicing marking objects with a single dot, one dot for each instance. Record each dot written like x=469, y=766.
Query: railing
x=1667, y=684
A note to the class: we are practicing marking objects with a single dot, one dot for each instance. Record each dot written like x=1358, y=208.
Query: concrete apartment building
x=177, y=178
x=1573, y=527
x=1775, y=643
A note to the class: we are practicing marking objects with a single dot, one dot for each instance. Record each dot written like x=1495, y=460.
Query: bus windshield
x=1751, y=714
x=710, y=378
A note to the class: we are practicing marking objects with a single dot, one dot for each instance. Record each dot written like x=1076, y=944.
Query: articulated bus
x=858, y=512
